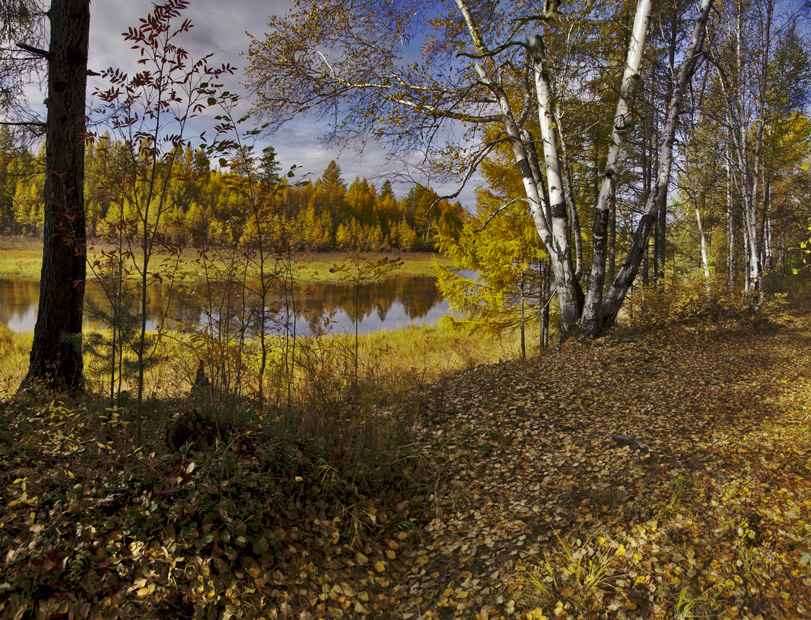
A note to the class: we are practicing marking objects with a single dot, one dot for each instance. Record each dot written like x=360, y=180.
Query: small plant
x=573, y=579
x=694, y=602
x=108, y=346
x=690, y=302
x=151, y=112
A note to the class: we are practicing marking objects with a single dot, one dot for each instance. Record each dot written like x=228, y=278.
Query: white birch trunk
x=565, y=280
x=705, y=264
x=548, y=214
x=591, y=322
x=625, y=278
x=730, y=230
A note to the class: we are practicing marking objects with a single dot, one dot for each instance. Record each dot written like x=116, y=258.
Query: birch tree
x=761, y=71
x=484, y=77
x=619, y=288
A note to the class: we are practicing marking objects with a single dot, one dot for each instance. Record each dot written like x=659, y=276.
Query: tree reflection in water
x=393, y=303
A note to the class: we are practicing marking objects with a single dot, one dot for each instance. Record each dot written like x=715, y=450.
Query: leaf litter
x=661, y=475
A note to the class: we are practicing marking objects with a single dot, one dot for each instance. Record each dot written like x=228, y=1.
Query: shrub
x=688, y=302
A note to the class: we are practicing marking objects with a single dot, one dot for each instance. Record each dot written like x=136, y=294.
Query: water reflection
x=396, y=302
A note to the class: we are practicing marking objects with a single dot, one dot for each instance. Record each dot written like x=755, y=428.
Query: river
x=393, y=303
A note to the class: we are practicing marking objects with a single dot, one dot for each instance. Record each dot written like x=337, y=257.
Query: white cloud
x=220, y=28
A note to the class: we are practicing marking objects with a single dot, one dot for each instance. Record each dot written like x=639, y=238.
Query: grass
x=340, y=506
x=14, y=351
x=21, y=257
x=419, y=353
x=572, y=578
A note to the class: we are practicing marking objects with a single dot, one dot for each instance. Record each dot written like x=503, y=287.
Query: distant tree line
x=321, y=214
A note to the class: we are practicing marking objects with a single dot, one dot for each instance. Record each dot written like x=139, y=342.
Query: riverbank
x=21, y=258
x=404, y=357
x=661, y=474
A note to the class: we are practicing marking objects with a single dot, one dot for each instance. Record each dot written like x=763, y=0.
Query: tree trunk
x=56, y=353
x=705, y=264
x=612, y=235
x=548, y=208
x=523, y=322
x=568, y=193
x=570, y=295
x=766, y=227
x=698, y=200
x=660, y=237
x=545, y=294
x=646, y=266
x=625, y=278
x=591, y=322
x=730, y=231
x=740, y=134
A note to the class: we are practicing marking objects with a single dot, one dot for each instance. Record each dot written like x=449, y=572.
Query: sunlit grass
x=21, y=257
x=571, y=579
x=419, y=353
x=14, y=351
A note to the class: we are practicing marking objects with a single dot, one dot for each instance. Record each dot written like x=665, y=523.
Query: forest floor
x=658, y=475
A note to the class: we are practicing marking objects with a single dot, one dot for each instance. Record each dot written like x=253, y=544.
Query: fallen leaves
x=536, y=510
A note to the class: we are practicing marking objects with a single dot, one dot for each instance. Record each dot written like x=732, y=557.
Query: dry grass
x=21, y=257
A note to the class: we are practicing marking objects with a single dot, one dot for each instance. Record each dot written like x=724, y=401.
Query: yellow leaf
x=380, y=566
x=621, y=550
x=537, y=614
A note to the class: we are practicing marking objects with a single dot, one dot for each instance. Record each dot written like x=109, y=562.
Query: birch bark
x=591, y=323
x=619, y=288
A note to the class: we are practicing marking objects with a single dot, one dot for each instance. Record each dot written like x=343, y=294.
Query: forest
x=324, y=214
x=612, y=419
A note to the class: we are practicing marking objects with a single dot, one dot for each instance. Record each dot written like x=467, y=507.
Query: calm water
x=394, y=303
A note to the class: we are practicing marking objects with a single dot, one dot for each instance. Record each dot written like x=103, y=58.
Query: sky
x=220, y=27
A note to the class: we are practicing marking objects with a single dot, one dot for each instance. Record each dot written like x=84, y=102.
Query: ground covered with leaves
x=659, y=475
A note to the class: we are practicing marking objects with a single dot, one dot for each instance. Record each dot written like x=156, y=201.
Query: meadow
x=21, y=257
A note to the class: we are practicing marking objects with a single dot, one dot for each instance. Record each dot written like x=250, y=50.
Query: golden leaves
x=530, y=517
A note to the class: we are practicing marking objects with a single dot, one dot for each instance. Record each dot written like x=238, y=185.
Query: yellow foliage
x=685, y=301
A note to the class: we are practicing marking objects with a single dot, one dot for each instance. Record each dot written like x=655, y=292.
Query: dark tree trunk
x=56, y=354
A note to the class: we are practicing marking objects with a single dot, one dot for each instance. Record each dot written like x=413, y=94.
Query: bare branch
x=23, y=124
x=499, y=210
x=34, y=50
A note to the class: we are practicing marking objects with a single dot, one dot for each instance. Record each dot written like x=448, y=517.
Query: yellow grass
x=21, y=257
x=408, y=355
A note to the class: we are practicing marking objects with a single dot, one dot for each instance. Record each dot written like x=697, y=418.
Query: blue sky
x=220, y=27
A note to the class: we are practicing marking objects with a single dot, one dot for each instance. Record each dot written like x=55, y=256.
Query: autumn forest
x=608, y=418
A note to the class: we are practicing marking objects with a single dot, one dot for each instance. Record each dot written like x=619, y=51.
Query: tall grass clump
x=14, y=351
